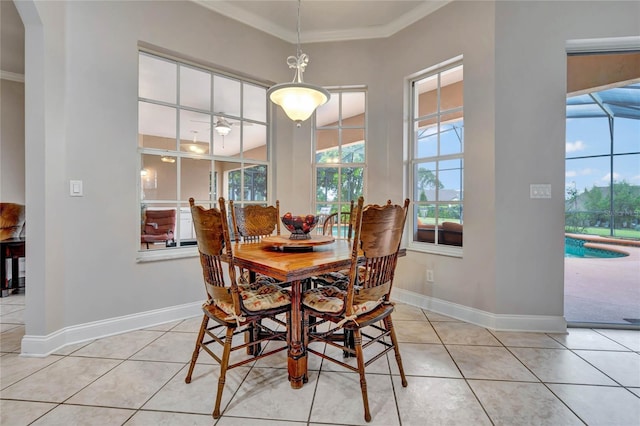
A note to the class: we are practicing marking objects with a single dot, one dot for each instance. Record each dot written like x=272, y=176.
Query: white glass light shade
x=298, y=100
x=222, y=129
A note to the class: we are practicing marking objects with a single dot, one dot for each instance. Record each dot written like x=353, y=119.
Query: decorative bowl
x=299, y=226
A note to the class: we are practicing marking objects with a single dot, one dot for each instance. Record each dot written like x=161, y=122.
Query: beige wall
x=12, y=167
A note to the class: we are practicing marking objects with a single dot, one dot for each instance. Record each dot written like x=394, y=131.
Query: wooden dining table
x=294, y=266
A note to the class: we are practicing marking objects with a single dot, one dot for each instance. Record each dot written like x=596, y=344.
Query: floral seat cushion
x=338, y=279
x=258, y=296
x=330, y=299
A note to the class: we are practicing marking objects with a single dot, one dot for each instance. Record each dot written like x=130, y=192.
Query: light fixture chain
x=299, y=51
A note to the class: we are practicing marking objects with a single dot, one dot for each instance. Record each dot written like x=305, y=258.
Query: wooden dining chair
x=232, y=308
x=366, y=301
x=339, y=220
x=251, y=223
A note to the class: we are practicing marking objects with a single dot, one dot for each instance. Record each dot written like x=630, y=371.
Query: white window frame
x=413, y=160
x=340, y=203
x=242, y=162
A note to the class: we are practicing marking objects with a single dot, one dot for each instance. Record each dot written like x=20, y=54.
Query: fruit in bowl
x=299, y=226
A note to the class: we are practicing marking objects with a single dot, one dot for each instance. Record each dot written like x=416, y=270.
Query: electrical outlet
x=429, y=275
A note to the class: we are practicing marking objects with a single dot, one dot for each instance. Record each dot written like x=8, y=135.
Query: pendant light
x=298, y=99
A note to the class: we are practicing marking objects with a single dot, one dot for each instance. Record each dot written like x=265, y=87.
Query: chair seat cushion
x=262, y=296
x=338, y=279
x=330, y=299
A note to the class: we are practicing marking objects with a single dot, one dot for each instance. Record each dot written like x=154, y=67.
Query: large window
x=201, y=134
x=436, y=156
x=340, y=135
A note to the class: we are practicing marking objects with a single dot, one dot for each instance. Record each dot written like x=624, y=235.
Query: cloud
x=617, y=177
x=575, y=146
x=570, y=173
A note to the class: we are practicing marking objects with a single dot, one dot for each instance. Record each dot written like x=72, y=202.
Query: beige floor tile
x=436, y=317
x=129, y=385
x=7, y=309
x=19, y=413
x=11, y=340
x=190, y=325
x=627, y=338
x=70, y=349
x=585, y=338
x=13, y=367
x=267, y=394
x=170, y=347
x=120, y=346
x=514, y=403
x=600, y=405
x=60, y=380
x=6, y=327
x=198, y=396
x=155, y=418
x=560, y=366
x=460, y=333
x=86, y=416
x=438, y=401
x=623, y=367
x=403, y=312
x=526, y=340
x=244, y=421
x=487, y=362
x=415, y=332
x=424, y=360
x=14, y=317
x=338, y=400
x=380, y=366
x=635, y=391
x=13, y=299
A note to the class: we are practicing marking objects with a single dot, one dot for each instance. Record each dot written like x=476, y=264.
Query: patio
x=604, y=291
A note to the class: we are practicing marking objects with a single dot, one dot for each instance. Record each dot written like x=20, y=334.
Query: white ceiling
x=326, y=20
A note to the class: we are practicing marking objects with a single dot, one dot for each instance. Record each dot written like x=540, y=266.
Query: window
x=437, y=155
x=201, y=134
x=339, y=163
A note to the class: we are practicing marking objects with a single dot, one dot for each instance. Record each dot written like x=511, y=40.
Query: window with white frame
x=437, y=156
x=340, y=161
x=201, y=134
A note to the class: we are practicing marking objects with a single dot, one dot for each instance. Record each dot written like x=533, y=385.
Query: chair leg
x=223, y=370
x=396, y=349
x=357, y=337
x=196, y=351
x=348, y=342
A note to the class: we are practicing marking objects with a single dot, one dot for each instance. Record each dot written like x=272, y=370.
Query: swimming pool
x=574, y=247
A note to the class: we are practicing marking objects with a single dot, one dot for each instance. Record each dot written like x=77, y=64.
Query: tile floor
x=458, y=374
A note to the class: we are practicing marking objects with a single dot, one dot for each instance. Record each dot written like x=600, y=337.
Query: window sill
x=440, y=249
x=169, y=254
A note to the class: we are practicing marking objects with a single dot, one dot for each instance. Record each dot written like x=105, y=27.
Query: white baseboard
x=40, y=346
x=498, y=322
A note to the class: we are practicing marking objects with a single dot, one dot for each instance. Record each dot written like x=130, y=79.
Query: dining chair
x=231, y=308
x=339, y=279
x=366, y=302
x=251, y=223
x=333, y=221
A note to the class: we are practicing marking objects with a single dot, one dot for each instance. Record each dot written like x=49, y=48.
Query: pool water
x=575, y=248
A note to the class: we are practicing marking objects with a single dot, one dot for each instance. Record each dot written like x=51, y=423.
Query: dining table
x=293, y=264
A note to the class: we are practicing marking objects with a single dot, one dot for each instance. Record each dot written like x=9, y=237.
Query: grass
x=605, y=232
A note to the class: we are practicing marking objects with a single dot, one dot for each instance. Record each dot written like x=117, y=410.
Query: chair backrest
x=159, y=222
x=12, y=217
x=341, y=220
x=212, y=234
x=378, y=235
x=252, y=222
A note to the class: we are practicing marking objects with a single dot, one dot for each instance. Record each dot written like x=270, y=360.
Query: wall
x=12, y=180
x=82, y=80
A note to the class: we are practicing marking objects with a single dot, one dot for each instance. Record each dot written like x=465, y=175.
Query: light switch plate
x=540, y=190
x=75, y=188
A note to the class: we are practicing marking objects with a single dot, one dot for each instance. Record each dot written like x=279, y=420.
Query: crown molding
x=227, y=9
x=11, y=76
x=594, y=45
